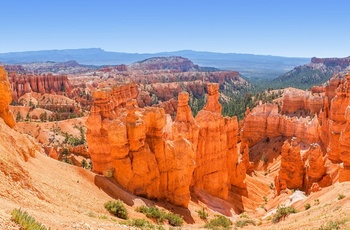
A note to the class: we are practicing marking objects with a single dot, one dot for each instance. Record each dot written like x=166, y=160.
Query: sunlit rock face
x=5, y=99
x=150, y=155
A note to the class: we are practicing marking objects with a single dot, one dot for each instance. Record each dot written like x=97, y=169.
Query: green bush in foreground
x=153, y=213
x=139, y=223
x=26, y=221
x=174, y=219
x=159, y=215
x=117, y=208
x=202, y=214
x=282, y=212
x=219, y=221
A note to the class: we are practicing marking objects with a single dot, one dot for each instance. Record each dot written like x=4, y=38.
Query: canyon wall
x=315, y=125
x=266, y=121
x=45, y=83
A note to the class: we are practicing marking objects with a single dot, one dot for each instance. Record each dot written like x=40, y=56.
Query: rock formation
x=151, y=156
x=343, y=62
x=5, y=99
x=46, y=83
x=345, y=148
x=265, y=121
x=317, y=123
x=302, y=169
x=292, y=166
x=337, y=119
x=296, y=101
x=215, y=150
x=127, y=142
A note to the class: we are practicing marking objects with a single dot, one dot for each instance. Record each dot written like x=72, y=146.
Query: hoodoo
x=150, y=155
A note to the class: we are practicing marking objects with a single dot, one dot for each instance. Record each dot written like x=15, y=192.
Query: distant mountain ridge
x=249, y=65
x=318, y=71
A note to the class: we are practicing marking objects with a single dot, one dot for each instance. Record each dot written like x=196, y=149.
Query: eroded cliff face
x=266, y=121
x=130, y=144
x=46, y=83
x=152, y=156
x=296, y=101
x=316, y=128
x=216, y=147
x=5, y=99
x=337, y=119
x=303, y=167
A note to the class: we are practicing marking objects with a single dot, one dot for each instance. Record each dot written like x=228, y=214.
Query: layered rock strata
x=46, y=83
x=319, y=141
x=306, y=102
x=265, y=121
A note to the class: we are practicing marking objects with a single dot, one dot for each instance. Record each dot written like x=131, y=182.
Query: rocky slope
x=318, y=71
x=314, y=126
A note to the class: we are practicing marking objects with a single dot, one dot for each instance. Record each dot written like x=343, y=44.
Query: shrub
x=244, y=222
x=218, y=221
x=282, y=212
x=117, y=208
x=139, y=223
x=202, y=214
x=153, y=213
x=26, y=221
x=341, y=196
x=159, y=215
x=307, y=206
x=174, y=219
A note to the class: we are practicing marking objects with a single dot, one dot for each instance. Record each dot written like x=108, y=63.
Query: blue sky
x=295, y=28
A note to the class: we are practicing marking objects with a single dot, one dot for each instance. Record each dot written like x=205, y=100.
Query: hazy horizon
x=278, y=28
x=172, y=51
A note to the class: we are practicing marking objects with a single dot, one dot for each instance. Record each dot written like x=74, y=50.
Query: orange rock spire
x=5, y=99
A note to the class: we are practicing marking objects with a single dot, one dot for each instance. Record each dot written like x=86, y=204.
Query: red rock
x=292, y=166
x=265, y=121
x=337, y=119
x=46, y=83
x=5, y=99
x=295, y=101
x=212, y=153
x=185, y=124
x=151, y=156
x=128, y=143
